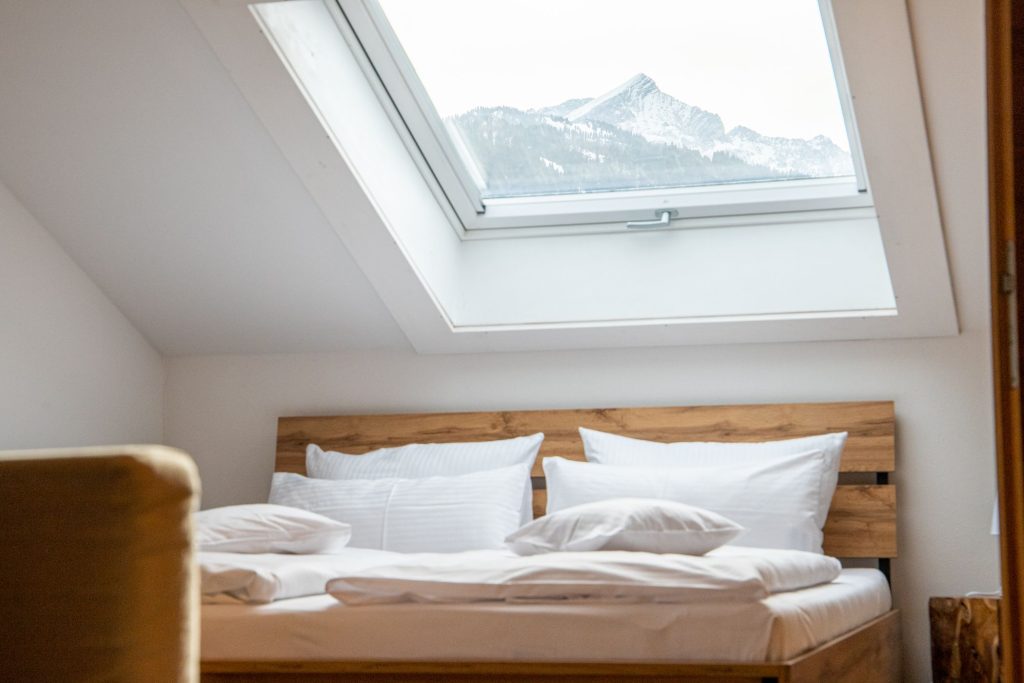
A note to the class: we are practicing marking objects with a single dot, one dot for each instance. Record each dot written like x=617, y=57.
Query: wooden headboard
x=861, y=522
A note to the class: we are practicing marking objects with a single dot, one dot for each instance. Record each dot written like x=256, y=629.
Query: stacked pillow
x=686, y=497
x=263, y=528
x=415, y=461
x=434, y=514
x=636, y=524
x=420, y=497
x=612, y=449
x=779, y=491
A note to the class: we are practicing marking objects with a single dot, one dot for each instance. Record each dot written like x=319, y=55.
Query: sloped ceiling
x=124, y=135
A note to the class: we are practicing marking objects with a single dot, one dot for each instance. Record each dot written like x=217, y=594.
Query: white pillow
x=263, y=528
x=639, y=524
x=418, y=460
x=776, y=501
x=612, y=449
x=436, y=514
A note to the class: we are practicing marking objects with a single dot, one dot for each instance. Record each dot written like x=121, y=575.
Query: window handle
x=664, y=218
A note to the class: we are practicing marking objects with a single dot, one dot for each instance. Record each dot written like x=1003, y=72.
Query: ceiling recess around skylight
x=816, y=263
x=558, y=117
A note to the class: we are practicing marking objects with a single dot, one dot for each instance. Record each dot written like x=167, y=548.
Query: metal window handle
x=664, y=218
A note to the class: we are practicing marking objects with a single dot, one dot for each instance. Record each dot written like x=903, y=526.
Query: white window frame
x=390, y=73
x=337, y=136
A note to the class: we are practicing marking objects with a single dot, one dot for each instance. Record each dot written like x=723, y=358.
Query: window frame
x=353, y=161
x=389, y=71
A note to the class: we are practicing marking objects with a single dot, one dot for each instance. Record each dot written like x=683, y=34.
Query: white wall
x=73, y=370
x=223, y=409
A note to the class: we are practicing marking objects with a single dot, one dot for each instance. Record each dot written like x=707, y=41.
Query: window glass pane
x=544, y=97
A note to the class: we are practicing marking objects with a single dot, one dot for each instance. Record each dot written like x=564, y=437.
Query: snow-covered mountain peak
x=634, y=89
x=640, y=83
x=640, y=107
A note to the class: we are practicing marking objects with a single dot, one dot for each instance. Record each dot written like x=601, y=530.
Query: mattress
x=319, y=627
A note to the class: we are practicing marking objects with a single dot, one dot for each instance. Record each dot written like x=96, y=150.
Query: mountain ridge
x=632, y=136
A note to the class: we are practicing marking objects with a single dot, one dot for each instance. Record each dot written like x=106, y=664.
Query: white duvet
x=263, y=578
x=362, y=577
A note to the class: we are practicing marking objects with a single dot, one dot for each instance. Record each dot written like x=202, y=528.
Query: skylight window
x=806, y=256
x=579, y=112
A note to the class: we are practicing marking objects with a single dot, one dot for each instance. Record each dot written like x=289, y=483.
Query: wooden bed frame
x=861, y=524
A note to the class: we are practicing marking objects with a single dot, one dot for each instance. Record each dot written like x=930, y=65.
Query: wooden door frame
x=1005, y=44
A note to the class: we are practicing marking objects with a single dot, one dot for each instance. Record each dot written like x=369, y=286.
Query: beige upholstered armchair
x=97, y=574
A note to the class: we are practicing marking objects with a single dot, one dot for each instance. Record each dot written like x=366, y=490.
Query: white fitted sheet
x=319, y=627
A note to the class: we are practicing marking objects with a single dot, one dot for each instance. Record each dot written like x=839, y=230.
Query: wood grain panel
x=862, y=522
x=520, y=672
x=870, y=447
x=387, y=676
x=868, y=653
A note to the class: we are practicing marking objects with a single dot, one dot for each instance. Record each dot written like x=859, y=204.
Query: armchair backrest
x=97, y=572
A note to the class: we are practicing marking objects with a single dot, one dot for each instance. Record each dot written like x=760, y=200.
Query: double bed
x=844, y=630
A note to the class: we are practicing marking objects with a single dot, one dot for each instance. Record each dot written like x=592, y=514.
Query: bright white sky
x=761, y=64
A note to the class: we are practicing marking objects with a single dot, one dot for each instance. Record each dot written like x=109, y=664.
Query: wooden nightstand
x=965, y=639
